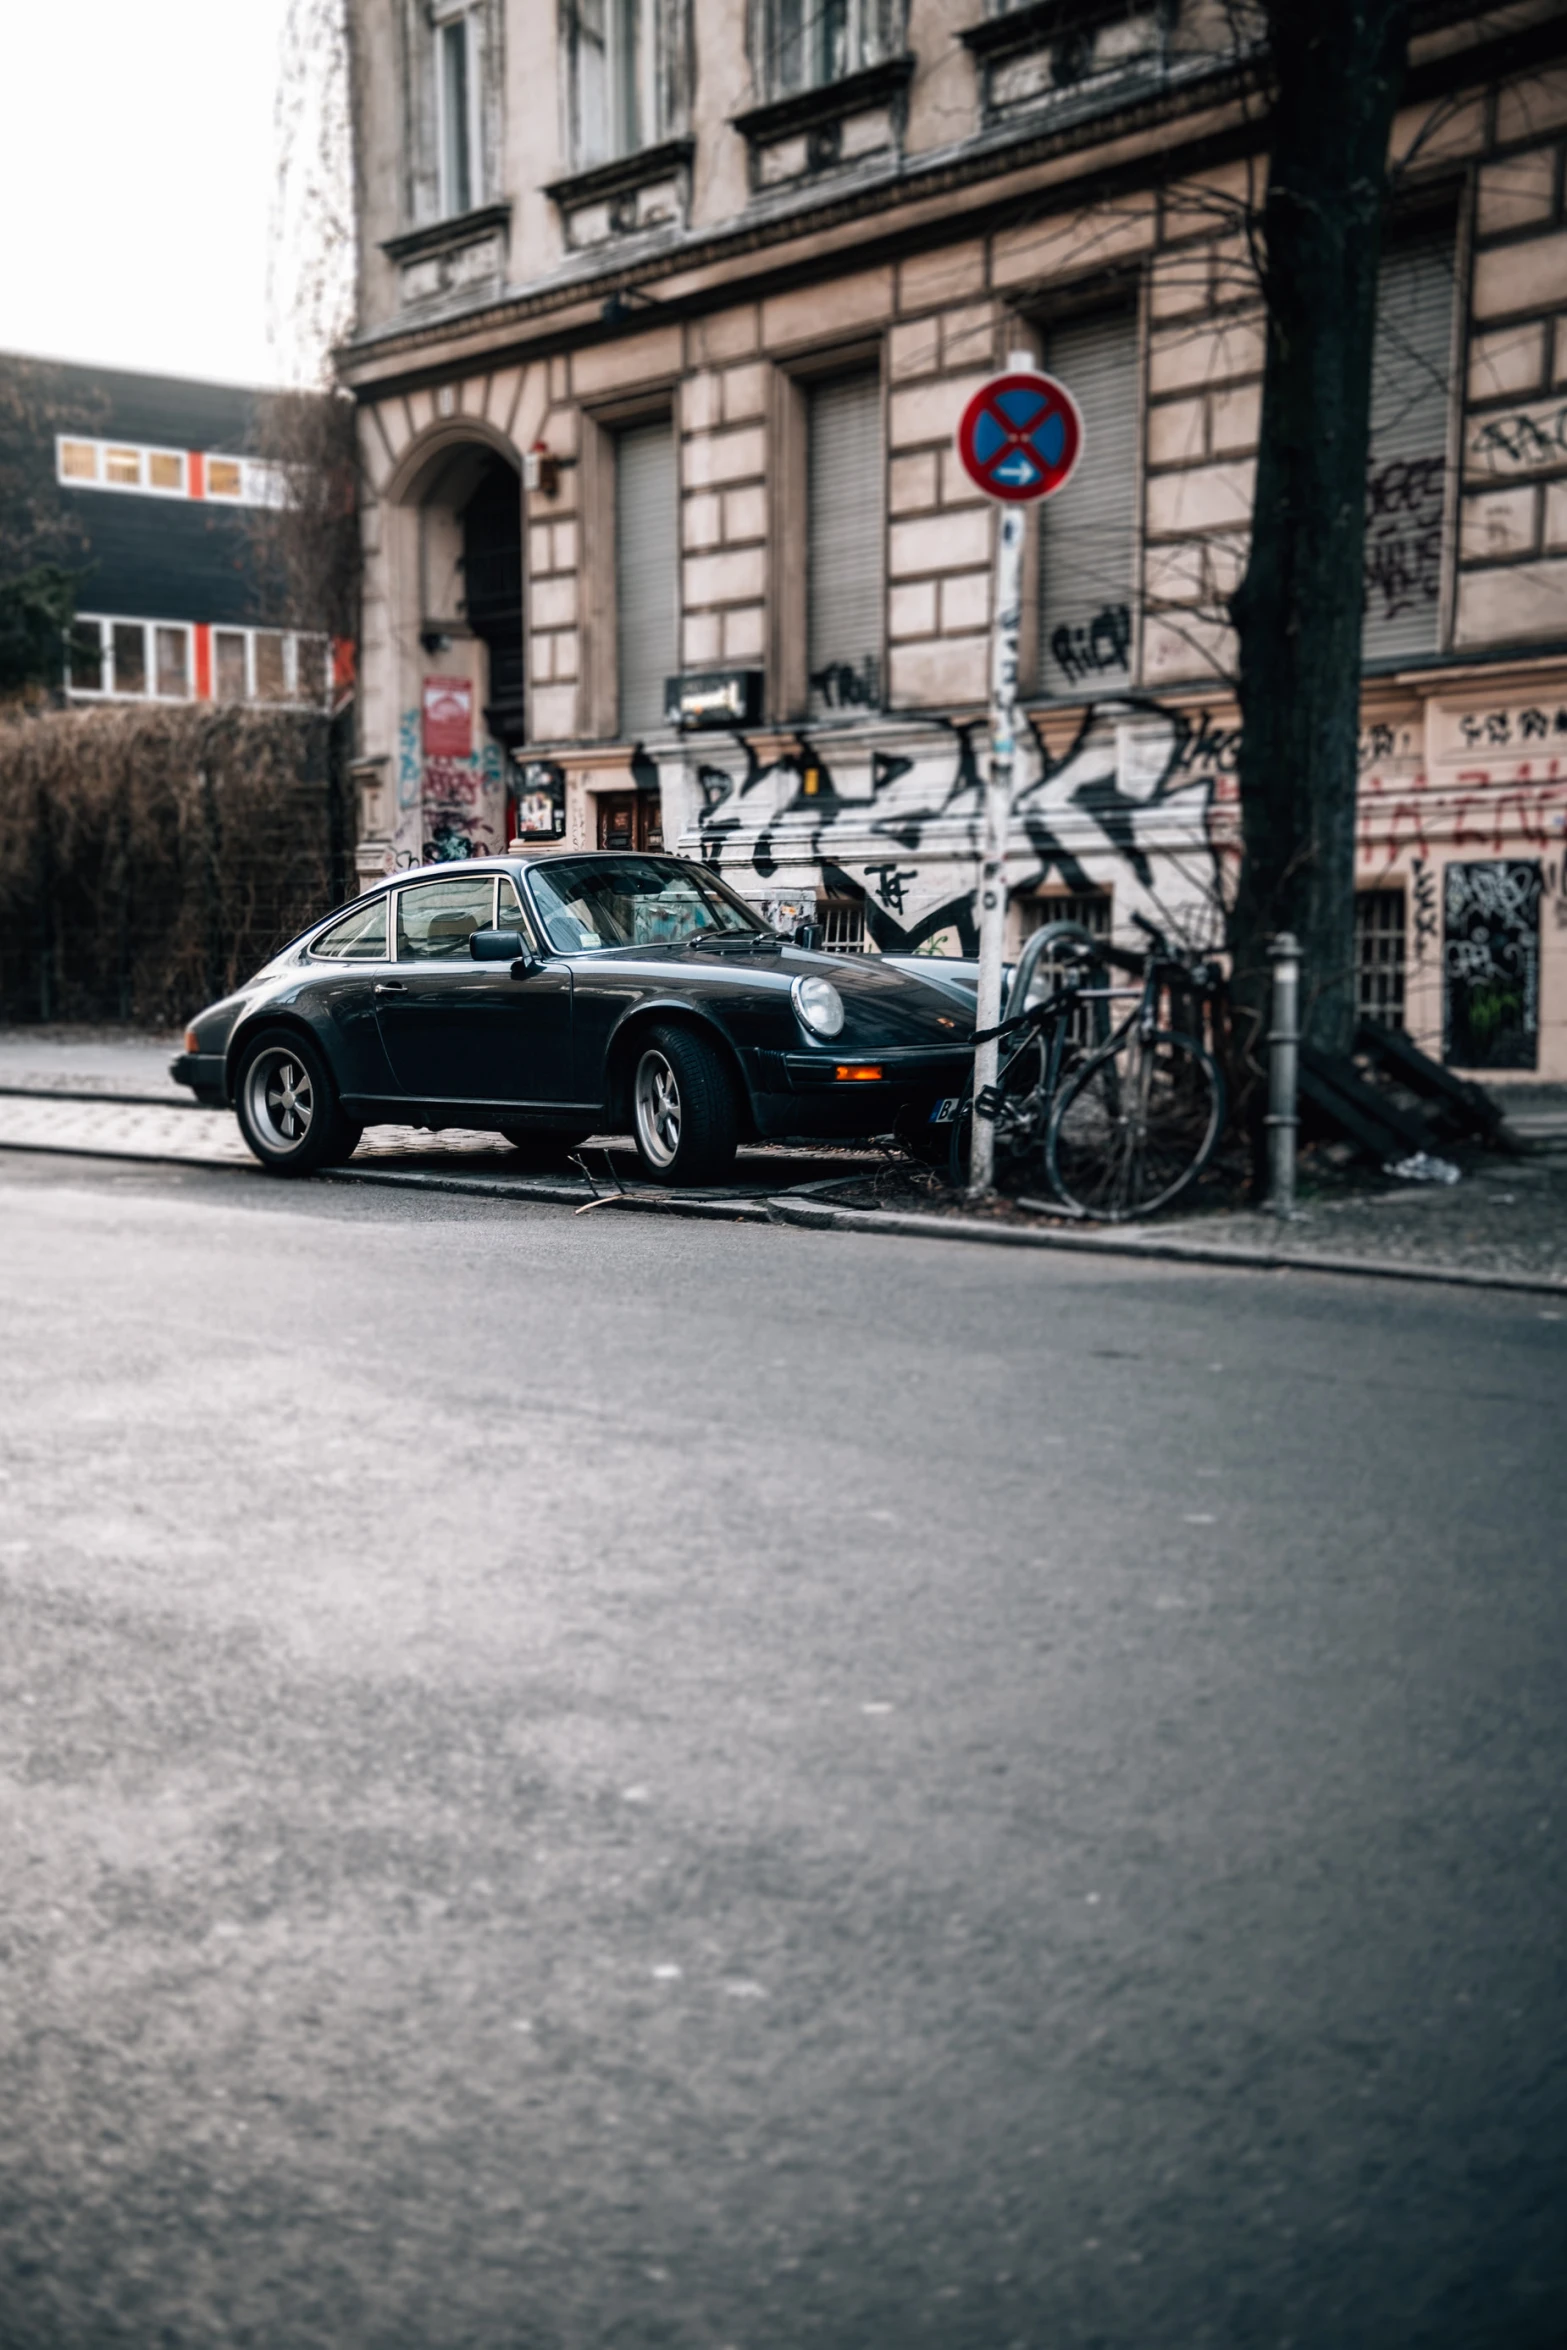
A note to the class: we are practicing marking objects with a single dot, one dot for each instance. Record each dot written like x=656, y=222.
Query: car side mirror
x=505, y=946
x=807, y=935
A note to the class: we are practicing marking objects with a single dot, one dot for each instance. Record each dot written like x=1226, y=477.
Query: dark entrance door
x=492, y=593
x=630, y=820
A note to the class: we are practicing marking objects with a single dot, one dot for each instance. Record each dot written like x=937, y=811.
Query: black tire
x=287, y=1105
x=1135, y=1126
x=349, y=1135
x=544, y=1146
x=684, y=1115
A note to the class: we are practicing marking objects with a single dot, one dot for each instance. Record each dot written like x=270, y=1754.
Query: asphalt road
x=580, y=1782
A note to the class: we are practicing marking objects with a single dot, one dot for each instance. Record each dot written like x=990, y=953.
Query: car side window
x=359, y=938
x=436, y=919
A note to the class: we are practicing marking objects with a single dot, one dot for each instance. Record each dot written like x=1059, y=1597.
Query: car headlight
x=819, y=1005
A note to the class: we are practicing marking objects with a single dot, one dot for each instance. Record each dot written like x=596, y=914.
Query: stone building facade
x=668, y=311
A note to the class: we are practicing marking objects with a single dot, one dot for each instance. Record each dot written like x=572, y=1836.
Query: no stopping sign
x=1020, y=436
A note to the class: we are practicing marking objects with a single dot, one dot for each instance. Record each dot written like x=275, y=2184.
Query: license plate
x=945, y=1111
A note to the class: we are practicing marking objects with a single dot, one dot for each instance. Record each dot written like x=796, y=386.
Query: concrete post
x=1283, y=1073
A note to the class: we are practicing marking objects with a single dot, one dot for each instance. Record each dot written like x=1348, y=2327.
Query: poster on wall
x=540, y=805
x=448, y=718
x=1491, y=964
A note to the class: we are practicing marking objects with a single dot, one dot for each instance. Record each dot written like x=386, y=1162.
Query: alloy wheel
x=657, y=1109
x=282, y=1099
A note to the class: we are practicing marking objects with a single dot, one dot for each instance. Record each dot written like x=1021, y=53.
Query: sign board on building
x=541, y=801
x=1020, y=436
x=448, y=718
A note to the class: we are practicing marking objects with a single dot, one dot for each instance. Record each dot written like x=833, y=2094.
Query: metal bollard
x=1283, y=1073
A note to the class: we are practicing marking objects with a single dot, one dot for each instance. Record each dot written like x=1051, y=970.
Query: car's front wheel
x=288, y=1107
x=683, y=1110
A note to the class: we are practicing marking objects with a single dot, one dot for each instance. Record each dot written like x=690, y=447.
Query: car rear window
x=359, y=938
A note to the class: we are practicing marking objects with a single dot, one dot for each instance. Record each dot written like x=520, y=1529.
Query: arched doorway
x=459, y=633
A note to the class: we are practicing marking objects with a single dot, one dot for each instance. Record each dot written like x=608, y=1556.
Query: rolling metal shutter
x=1088, y=531
x=1406, y=475
x=844, y=600
x=647, y=571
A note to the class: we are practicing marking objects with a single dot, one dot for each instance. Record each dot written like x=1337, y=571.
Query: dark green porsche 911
x=552, y=997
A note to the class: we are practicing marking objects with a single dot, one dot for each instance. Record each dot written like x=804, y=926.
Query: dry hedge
x=151, y=859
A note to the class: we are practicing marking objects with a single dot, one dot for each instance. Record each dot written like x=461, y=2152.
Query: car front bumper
x=204, y=1073
x=803, y=1093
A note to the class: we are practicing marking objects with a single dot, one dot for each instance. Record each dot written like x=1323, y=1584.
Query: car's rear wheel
x=683, y=1110
x=544, y=1146
x=288, y=1108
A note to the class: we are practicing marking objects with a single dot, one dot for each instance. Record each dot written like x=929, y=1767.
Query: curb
x=117, y=1095
x=1180, y=1252
x=745, y=1210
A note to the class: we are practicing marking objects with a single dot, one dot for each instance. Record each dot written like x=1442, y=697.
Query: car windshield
x=633, y=902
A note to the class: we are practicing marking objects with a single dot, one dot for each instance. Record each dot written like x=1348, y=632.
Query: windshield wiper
x=736, y=942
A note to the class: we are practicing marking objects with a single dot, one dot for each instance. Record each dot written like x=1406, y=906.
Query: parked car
x=558, y=996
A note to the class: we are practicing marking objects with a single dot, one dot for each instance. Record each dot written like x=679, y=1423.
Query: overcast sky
x=136, y=182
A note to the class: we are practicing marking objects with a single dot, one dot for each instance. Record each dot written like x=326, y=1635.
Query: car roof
x=453, y=868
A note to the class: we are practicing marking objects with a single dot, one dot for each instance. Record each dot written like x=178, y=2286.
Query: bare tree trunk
x=1338, y=67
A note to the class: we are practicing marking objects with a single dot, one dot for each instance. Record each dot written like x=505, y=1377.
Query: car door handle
x=391, y=987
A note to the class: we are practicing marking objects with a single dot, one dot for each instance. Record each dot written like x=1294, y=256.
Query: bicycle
x=1119, y=1121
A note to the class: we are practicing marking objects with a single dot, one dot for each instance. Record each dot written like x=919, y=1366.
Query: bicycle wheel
x=1135, y=1126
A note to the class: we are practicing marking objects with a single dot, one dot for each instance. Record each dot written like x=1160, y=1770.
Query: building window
x=1379, y=956
x=613, y=52
x=86, y=657
x=844, y=561
x=129, y=641
x=168, y=473
x=164, y=660
x=841, y=922
x=1088, y=531
x=646, y=573
x=171, y=653
x=810, y=43
x=1090, y=910
x=457, y=81
x=1406, y=478
x=230, y=665
x=130, y=660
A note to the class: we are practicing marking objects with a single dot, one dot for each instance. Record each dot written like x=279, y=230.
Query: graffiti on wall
x=1403, y=562
x=899, y=836
x=447, y=808
x=1491, y=964
x=1104, y=646
x=1522, y=439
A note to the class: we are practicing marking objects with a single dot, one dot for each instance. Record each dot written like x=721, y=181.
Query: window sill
x=633, y=195
x=1030, y=26
x=808, y=110
x=622, y=176
x=445, y=236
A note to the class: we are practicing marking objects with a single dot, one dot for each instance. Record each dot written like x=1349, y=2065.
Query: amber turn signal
x=857, y=1072
x=191, y=1046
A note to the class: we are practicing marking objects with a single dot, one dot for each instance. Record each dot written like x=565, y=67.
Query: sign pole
x=1018, y=439
x=1005, y=625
